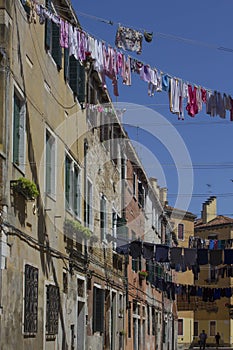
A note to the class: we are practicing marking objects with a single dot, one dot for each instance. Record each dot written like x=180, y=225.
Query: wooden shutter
x=98, y=310
x=56, y=51
x=81, y=83
x=73, y=74
x=67, y=183
x=66, y=64
x=31, y=299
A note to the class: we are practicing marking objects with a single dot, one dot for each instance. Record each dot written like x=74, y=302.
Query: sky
x=193, y=42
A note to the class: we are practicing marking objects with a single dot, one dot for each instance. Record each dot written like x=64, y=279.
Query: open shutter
x=56, y=47
x=67, y=188
x=48, y=27
x=81, y=83
x=73, y=74
x=66, y=64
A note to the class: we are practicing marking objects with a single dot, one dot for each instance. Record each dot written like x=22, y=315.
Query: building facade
x=72, y=188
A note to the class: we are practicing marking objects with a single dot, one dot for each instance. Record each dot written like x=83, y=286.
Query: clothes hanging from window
x=129, y=39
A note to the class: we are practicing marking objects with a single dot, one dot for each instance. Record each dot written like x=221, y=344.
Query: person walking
x=217, y=339
x=202, y=337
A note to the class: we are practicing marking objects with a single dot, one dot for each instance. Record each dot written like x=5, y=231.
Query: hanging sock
x=148, y=36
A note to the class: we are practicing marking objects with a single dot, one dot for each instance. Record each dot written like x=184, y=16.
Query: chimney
x=163, y=195
x=209, y=210
x=154, y=184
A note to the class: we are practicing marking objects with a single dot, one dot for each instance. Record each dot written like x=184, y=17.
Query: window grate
x=31, y=299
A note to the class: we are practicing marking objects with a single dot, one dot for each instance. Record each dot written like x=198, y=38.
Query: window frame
x=103, y=217
x=53, y=156
x=180, y=225
x=73, y=181
x=180, y=324
x=19, y=129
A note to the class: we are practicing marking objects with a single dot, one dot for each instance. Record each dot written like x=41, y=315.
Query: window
x=65, y=282
x=74, y=75
x=98, y=310
x=180, y=326
x=114, y=229
x=72, y=186
x=148, y=319
x=89, y=214
x=19, y=117
x=50, y=164
x=30, y=299
x=212, y=328
x=52, y=37
x=153, y=321
x=134, y=184
x=103, y=217
x=129, y=321
x=52, y=309
x=181, y=231
x=195, y=330
x=141, y=194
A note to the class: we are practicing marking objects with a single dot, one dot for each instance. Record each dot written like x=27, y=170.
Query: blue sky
x=186, y=42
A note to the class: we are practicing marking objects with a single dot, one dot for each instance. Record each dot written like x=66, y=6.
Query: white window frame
x=104, y=229
x=22, y=128
x=53, y=174
x=73, y=205
x=89, y=199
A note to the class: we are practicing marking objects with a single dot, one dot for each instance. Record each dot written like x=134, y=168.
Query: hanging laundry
x=228, y=256
x=190, y=256
x=64, y=34
x=192, y=106
x=215, y=258
x=148, y=250
x=161, y=253
x=202, y=256
x=136, y=249
x=129, y=39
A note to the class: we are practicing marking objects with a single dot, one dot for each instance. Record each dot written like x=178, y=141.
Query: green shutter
x=81, y=83
x=73, y=74
x=66, y=64
x=56, y=51
x=67, y=181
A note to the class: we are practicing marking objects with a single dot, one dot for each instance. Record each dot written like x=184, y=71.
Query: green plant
x=143, y=273
x=74, y=227
x=122, y=332
x=26, y=187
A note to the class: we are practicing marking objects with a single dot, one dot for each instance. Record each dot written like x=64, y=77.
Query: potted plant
x=73, y=227
x=143, y=274
x=122, y=332
x=25, y=187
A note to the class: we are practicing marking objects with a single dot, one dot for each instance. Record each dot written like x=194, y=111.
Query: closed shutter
x=98, y=310
x=56, y=51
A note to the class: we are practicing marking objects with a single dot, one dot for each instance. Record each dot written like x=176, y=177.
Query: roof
x=217, y=221
x=179, y=212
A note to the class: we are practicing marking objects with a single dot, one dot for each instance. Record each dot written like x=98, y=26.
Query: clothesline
x=112, y=63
